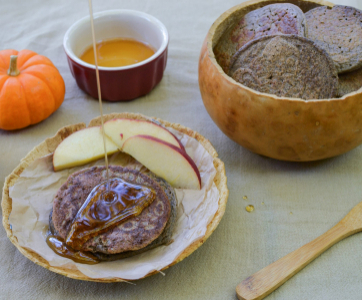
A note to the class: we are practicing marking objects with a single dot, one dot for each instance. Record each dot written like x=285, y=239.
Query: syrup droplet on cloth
x=249, y=208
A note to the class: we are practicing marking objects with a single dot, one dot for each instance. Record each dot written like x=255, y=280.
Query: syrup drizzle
x=106, y=208
x=98, y=84
x=62, y=249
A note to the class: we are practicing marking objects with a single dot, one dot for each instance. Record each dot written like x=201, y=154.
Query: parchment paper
x=33, y=198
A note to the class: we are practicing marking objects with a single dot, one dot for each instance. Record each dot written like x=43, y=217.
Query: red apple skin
x=181, y=146
x=143, y=121
x=180, y=151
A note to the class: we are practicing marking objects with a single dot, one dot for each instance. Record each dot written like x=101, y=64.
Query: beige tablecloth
x=294, y=202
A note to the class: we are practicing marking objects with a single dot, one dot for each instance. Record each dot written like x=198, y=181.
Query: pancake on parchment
x=152, y=228
x=338, y=30
x=279, y=18
x=286, y=66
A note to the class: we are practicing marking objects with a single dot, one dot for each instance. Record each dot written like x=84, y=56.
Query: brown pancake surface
x=133, y=234
x=349, y=82
x=286, y=66
x=338, y=30
x=280, y=18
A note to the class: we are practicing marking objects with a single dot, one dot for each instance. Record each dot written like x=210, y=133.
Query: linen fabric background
x=294, y=202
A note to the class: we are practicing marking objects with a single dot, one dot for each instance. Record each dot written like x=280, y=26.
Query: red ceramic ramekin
x=121, y=83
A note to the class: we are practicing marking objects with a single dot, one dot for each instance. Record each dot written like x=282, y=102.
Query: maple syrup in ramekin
x=118, y=53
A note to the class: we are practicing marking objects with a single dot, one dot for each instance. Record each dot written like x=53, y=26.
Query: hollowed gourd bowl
x=283, y=128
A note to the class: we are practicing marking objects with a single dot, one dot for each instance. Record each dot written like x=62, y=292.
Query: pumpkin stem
x=13, y=69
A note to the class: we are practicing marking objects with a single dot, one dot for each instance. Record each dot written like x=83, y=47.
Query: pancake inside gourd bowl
x=162, y=236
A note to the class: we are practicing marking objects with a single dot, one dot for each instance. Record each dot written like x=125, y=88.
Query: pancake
x=133, y=234
x=286, y=66
x=283, y=18
x=349, y=82
x=165, y=237
x=279, y=18
x=338, y=30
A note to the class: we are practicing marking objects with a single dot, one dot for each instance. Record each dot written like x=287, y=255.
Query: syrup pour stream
x=98, y=86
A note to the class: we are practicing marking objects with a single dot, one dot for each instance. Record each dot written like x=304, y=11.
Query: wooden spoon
x=273, y=276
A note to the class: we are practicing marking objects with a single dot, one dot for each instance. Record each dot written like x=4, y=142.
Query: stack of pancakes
x=277, y=49
x=150, y=229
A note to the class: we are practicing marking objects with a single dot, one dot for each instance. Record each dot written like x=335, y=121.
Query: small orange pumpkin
x=31, y=88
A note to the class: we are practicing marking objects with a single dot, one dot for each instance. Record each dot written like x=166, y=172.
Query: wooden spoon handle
x=271, y=277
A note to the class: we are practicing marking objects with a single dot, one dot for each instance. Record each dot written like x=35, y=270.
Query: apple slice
x=81, y=147
x=119, y=130
x=165, y=160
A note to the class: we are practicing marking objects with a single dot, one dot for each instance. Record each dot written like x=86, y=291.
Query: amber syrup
x=105, y=209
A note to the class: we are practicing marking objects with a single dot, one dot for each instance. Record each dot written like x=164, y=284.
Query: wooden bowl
x=49, y=145
x=289, y=129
